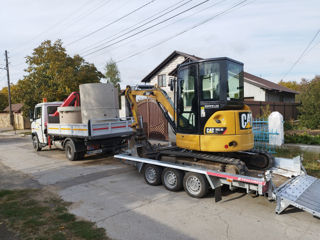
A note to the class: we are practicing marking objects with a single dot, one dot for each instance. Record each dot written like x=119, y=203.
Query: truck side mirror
x=31, y=116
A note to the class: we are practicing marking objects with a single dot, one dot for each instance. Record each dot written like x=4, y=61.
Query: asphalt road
x=115, y=196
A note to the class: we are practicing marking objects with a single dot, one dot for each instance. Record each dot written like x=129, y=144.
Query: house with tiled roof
x=162, y=74
x=259, y=89
x=255, y=88
x=16, y=108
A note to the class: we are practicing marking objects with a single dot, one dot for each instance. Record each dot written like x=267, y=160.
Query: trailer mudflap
x=302, y=192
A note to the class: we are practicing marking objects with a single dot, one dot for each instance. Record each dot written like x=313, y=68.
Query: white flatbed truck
x=286, y=182
x=77, y=139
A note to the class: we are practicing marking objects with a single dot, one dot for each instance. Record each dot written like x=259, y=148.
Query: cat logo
x=245, y=120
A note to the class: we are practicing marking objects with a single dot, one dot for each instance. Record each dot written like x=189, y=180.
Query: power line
x=311, y=48
x=109, y=24
x=169, y=24
x=110, y=11
x=302, y=54
x=133, y=27
x=87, y=13
x=239, y=4
x=53, y=26
x=145, y=29
x=81, y=16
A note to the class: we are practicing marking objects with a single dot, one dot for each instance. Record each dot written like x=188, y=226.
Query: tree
x=53, y=74
x=4, y=96
x=3, y=100
x=112, y=73
x=310, y=103
x=291, y=84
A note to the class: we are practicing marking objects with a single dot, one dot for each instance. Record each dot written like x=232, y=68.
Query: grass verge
x=41, y=215
x=311, y=160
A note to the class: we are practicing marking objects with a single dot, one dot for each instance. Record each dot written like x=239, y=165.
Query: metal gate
x=262, y=135
x=154, y=123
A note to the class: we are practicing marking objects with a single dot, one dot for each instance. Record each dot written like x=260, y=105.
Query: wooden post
x=9, y=91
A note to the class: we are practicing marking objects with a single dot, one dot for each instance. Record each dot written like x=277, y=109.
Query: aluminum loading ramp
x=302, y=192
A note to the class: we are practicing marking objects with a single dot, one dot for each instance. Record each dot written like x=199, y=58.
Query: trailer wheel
x=35, y=143
x=70, y=151
x=195, y=185
x=172, y=179
x=152, y=174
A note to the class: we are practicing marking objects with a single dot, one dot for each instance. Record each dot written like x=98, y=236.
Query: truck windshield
x=210, y=78
x=235, y=82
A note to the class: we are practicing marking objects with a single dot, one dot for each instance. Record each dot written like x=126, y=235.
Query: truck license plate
x=94, y=151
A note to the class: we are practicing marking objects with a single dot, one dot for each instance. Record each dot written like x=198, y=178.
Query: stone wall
x=20, y=122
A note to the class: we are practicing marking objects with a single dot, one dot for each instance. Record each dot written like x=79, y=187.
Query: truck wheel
x=172, y=179
x=152, y=174
x=70, y=151
x=195, y=185
x=35, y=143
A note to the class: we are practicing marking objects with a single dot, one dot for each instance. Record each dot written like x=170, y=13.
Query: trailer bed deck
x=286, y=182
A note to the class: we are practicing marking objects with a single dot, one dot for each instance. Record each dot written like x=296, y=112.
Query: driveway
x=114, y=195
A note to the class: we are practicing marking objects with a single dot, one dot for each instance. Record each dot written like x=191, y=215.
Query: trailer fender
x=216, y=184
x=139, y=166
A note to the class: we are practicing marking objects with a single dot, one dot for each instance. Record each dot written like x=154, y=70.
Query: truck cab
x=41, y=114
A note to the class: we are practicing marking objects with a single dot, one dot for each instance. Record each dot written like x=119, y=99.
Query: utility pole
x=9, y=92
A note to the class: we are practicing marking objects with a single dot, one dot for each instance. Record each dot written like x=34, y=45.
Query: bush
x=310, y=103
x=303, y=139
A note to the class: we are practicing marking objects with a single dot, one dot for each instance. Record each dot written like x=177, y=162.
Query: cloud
x=267, y=36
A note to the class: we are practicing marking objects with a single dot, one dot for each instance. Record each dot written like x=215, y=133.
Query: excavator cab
x=209, y=103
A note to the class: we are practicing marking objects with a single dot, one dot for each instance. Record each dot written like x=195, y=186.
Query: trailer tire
x=172, y=179
x=35, y=143
x=70, y=150
x=195, y=184
x=152, y=174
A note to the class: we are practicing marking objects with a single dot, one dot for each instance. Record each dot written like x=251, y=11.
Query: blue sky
x=266, y=35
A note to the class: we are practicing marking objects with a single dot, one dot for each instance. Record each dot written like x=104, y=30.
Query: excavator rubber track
x=242, y=161
x=157, y=153
x=254, y=159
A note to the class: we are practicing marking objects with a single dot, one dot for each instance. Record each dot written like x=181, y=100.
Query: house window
x=162, y=80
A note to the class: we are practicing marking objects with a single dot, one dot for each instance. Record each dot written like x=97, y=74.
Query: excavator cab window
x=210, y=78
x=187, y=100
x=235, y=85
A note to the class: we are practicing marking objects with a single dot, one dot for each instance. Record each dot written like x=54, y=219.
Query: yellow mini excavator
x=208, y=115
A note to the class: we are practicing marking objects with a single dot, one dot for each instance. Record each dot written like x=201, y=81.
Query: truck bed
x=95, y=129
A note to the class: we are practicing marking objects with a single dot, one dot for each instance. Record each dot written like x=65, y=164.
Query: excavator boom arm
x=154, y=93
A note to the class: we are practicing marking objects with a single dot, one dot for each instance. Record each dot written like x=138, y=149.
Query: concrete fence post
x=275, y=128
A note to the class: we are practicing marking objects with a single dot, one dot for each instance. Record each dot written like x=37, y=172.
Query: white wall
x=165, y=70
x=253, y=91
